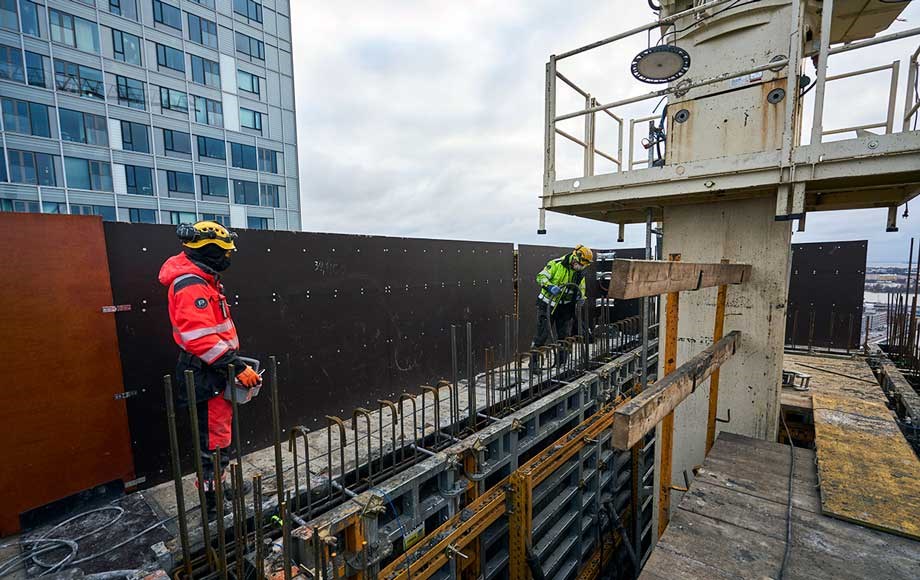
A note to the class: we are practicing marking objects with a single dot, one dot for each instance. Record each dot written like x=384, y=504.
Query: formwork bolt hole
x=143, y=249
x=268, y=249
x=576, y=184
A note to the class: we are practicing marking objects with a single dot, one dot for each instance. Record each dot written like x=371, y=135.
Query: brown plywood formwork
x=62, y=427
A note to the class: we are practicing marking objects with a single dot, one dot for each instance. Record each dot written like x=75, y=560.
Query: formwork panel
x=350, y=319
x=826, y=295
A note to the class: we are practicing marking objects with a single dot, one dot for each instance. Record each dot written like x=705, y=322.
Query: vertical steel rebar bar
x=454, y=369
x=259, y=523
x=199, y=468
x=286, y=536
x=471, y=402
x=276, y=425
x=177, y=476
x=219, y=522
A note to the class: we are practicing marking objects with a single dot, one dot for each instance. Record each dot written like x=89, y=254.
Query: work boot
x=228, y=490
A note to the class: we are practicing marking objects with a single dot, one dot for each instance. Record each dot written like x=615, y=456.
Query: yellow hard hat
x=204, y=233
x=583, y=254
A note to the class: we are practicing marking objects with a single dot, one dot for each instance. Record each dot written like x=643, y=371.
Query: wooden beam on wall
x=640, y=415
x=638, y=278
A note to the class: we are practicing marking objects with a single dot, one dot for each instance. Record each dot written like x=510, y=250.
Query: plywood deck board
x=732, y=524
x=868, y=473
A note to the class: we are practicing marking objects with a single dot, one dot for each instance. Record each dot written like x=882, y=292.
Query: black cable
x=652, y=5
x=788, y=550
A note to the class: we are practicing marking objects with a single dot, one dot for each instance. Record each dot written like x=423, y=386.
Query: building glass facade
x=150, y=111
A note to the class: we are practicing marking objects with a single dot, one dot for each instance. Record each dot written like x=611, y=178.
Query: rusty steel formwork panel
x=826, y=288
x=351, y=319
x=532, y=259
x=62, y=420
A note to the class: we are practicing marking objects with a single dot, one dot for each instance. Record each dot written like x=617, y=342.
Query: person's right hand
x=554, y=290
x=249, y=378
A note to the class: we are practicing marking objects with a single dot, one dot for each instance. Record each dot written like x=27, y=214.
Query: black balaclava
x=211, y=256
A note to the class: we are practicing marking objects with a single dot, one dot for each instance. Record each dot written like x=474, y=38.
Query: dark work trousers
x=562, y=319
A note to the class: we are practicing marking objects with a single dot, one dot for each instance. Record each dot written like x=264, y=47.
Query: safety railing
x=912, y=102
x=888, y=123
x=791, y=66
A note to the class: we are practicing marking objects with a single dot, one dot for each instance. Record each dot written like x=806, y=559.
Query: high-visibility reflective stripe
x=186, y=277
x=215, y=352
x=199, y=332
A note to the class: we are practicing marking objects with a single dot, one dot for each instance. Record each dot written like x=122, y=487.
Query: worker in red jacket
x=205, y=333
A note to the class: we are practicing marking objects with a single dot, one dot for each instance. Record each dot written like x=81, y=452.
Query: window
x=11, y=64
x=249, y=82
x=208, y=3
x=73, y=31
x=177, y=142
x=222, y=219
x=9, y=18
x=268, y=160
x=208, y=111
x=249, y=46
x=139, y=180
x=249, y=8
x=83, y=127
x=181, y=217
x=205, y=72
x=180, y=182
x=168, y=57
x=142, y=216
x=214, y=186
x=127, y=47
x=258, y=223
x=173, y=100
x=210, y=148
x=126, y=8
x=79, y=79
x=202, y=30
x=243, y=156
x=268, y=195
x=35, y=69
x=167, y=14
x=131, y=93
x=106, y=212
x=32, y=168
x=30, y=23
x=2, y=165
x=88, y=174
x=54, y=207
x=26, y=118
x=245, y=192
x=134, y=137
x=251, y=119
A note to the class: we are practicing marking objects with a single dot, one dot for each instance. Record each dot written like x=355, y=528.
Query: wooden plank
x=868, y=471
x=672, y=314
x=643, y=412
x=638, y=278
x=732, y=524
x=717, y=333
x=818, y=539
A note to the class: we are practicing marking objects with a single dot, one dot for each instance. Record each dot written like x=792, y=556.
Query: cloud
x=425, y=118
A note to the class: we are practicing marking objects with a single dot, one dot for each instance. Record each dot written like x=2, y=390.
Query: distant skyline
x=425, y=119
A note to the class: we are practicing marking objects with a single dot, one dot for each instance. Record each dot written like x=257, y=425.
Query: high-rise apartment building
x=152, y=111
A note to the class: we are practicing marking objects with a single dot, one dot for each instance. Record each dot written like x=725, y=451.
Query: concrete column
x=742, y=232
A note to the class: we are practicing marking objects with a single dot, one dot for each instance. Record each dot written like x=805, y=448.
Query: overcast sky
x=425, y=118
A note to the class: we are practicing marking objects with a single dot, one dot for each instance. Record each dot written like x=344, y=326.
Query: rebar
x=199, y=468
x=177, y=476
x=219, y=493
x=276, y=425
x=437, y=412
x=362, y=412
x=343, y=441
x=285, y=536
x=402, y=399
x=471, y=401
x=259, y=529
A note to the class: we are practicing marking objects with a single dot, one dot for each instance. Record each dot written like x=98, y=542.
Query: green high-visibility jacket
x=559, y=272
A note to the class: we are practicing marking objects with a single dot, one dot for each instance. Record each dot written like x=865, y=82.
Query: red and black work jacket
x=201, y=326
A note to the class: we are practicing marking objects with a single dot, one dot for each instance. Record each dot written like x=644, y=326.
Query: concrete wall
x=742, y=232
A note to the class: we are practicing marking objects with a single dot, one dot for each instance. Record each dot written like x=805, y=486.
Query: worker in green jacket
x=557, y=299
